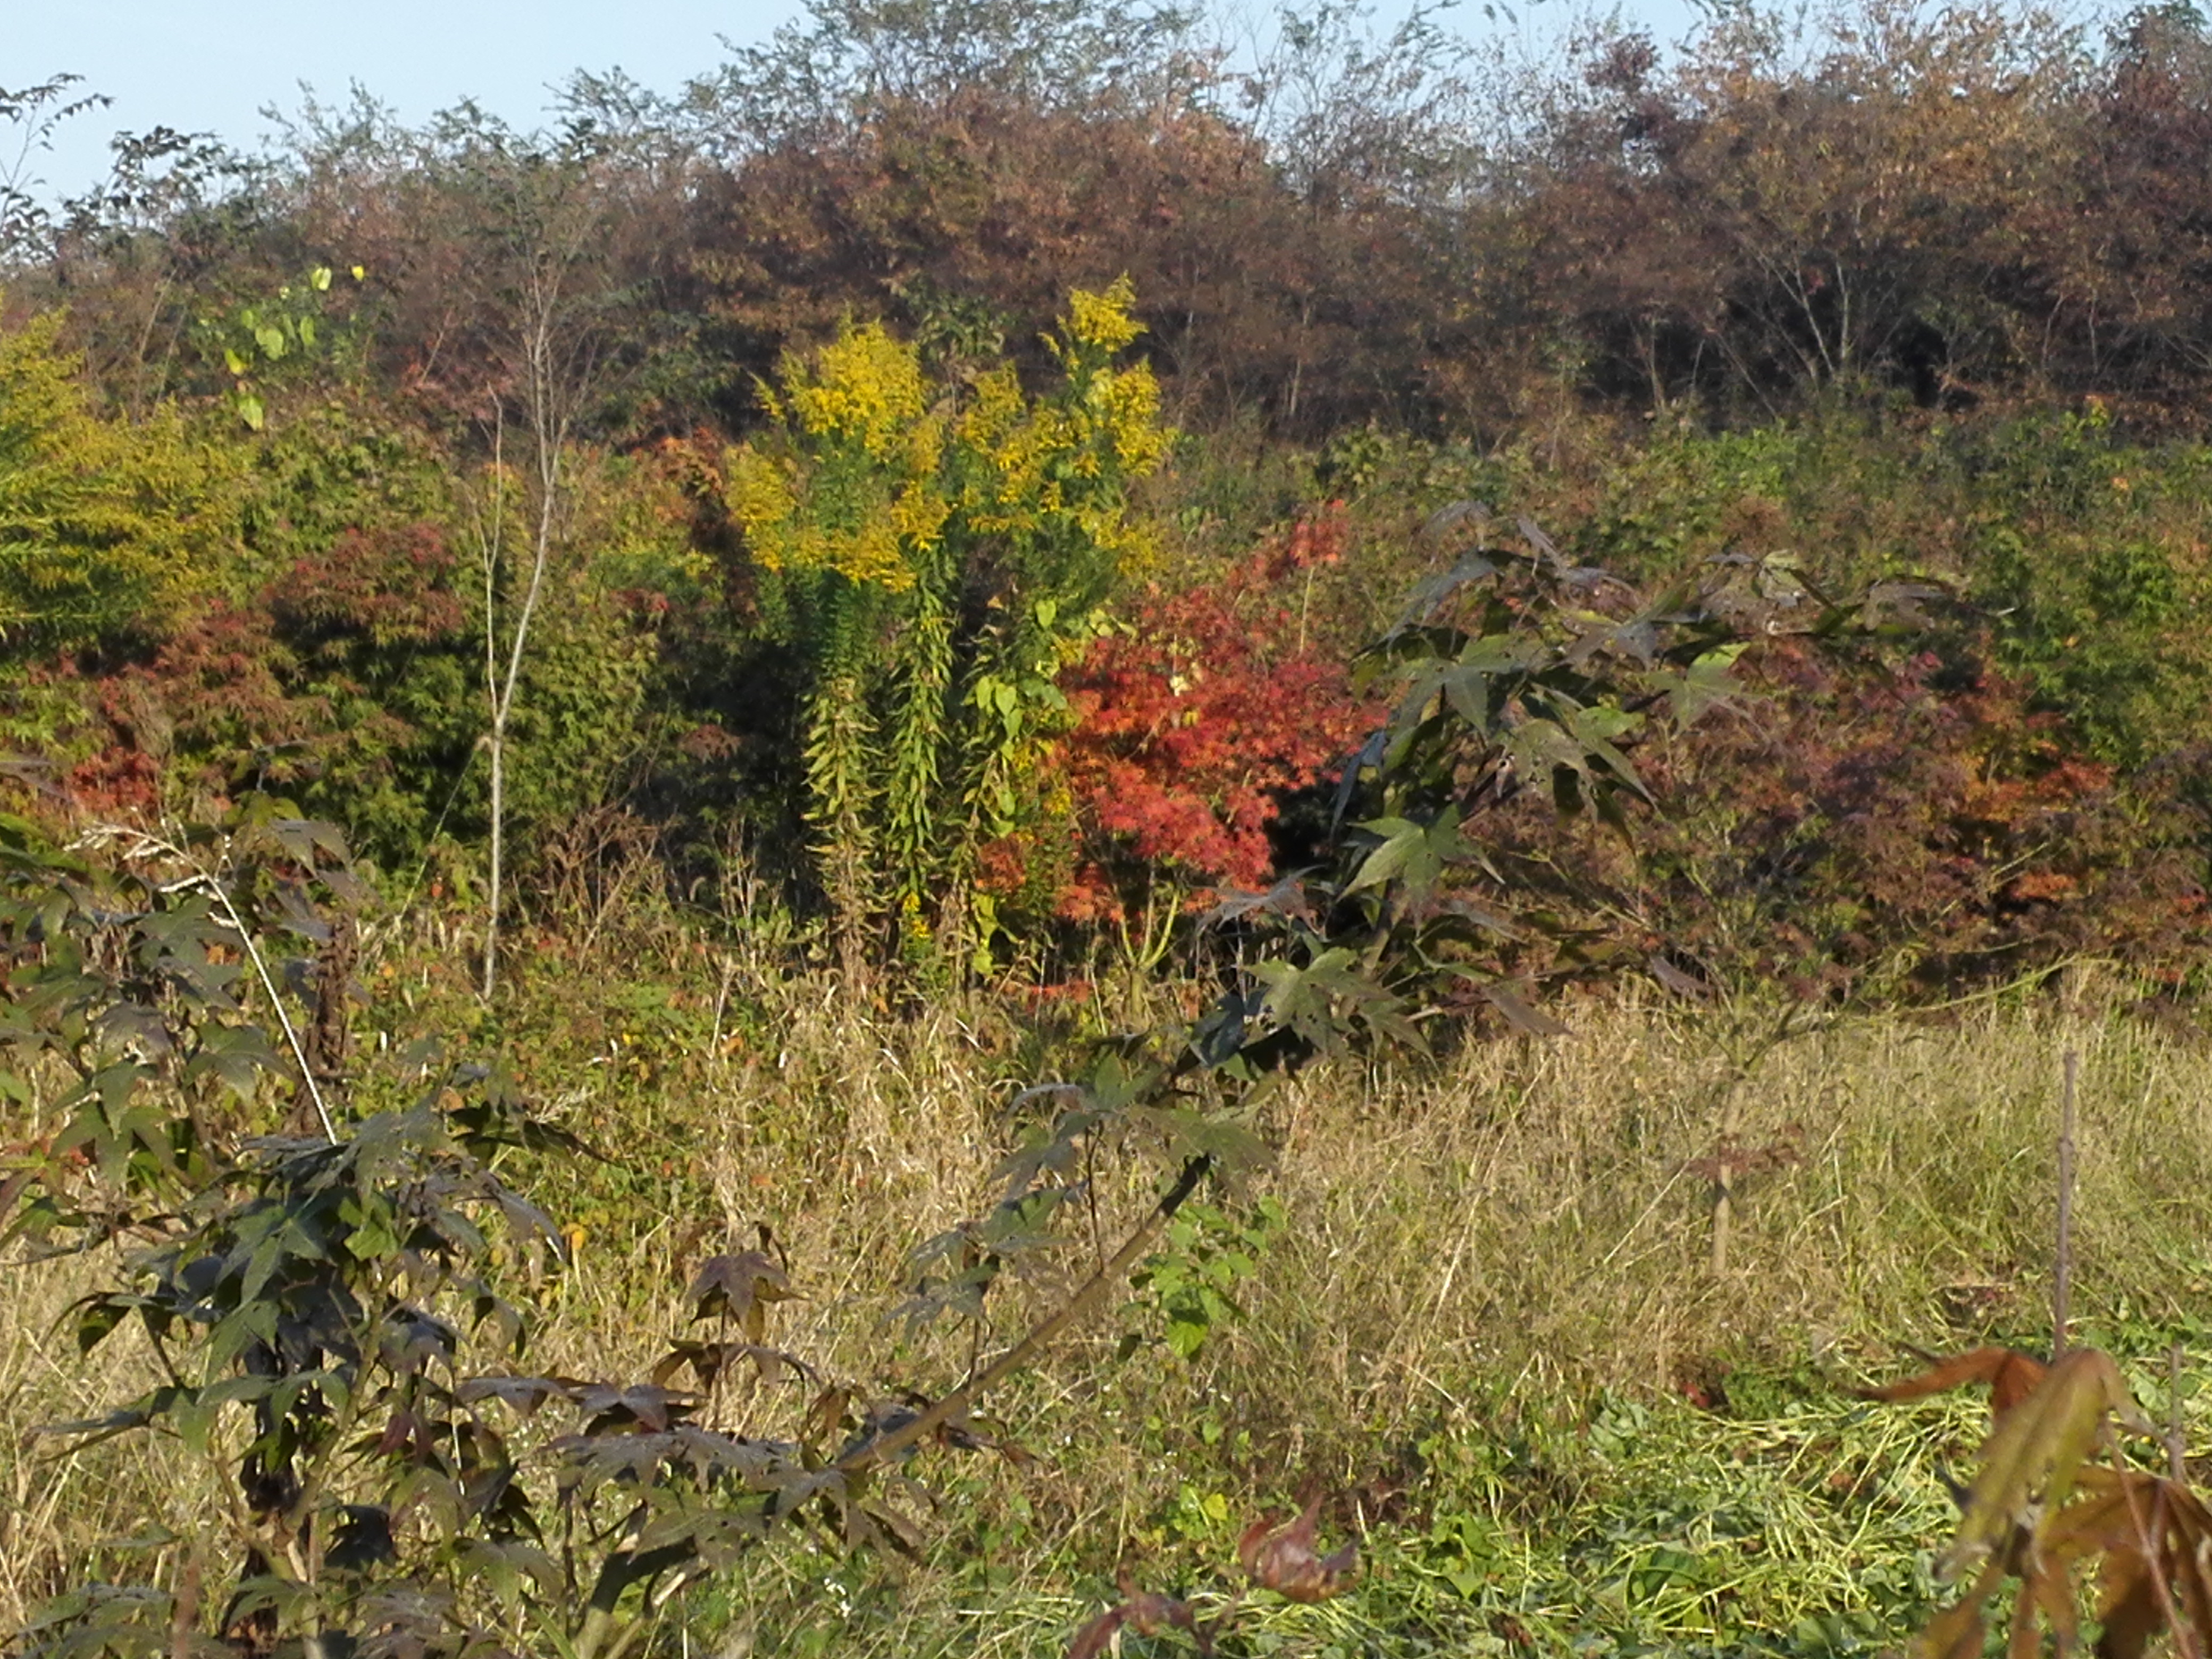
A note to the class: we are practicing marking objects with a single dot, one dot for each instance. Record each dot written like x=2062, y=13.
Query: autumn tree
x=1771, y=213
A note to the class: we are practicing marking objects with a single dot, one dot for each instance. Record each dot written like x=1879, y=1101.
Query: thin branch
x=2149, y=1534
x=871, y=1453
x=142, y=845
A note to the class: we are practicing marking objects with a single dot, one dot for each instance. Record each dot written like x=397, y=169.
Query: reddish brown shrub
x=324, y=678
x=1194, y=726
x=1857, y=826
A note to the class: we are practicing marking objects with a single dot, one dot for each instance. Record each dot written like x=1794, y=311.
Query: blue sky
x=213, y=64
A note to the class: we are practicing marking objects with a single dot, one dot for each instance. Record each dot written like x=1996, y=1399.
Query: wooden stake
x=1724, y=1171
x=1723, y=1207
x=2176, y=1444
x=2063, y=1283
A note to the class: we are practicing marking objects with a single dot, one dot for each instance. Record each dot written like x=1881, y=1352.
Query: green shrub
x=107, y=528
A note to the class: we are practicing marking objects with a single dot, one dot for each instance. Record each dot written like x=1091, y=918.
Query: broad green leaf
x=236, y=1056
x=100, y=1316
x=1429, y=595
x=1707, y=684
x=1413, y=854
x=1199, y=1135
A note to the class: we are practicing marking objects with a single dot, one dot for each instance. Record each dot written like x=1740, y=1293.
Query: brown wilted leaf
x=1681, y=984
x=959, y=1432
x=965, y=1432
x=1287, y=1562
x=2117, y=1515
x=1521, y=1015
x=2127, y=1607
x=2030, y=1461
x=826, y=1416
x=2047, y=1591
x=2017, y=1521
x=2150, y=1531
x=709, y=1361
x=1957, y=1633
x=1147, y=1614
x=2011, y=1377
x=643, y=1405
x=524, y=1395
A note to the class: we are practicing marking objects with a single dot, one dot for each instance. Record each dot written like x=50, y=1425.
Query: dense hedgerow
x=957, y=605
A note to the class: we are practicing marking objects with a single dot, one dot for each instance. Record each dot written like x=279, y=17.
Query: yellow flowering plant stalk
x=935, y=552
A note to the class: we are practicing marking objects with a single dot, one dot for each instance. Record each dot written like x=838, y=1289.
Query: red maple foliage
x=1194, y=725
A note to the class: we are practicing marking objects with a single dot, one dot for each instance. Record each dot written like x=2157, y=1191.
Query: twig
x=883, y=1448
x=2148, y=1537
x=275, y=1002
x=2176, y=1445
x=205, y=879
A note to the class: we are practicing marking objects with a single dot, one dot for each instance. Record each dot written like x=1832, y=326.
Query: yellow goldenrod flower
x=756, y=490
x=1102, y=319
x=919, y=514
x=1129, y=404
x=865, y=384
x=868, y=482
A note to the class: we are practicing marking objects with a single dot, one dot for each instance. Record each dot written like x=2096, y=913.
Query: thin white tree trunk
x=548, y=411
x=498, y=745
x=489, y=543
x=548, y=431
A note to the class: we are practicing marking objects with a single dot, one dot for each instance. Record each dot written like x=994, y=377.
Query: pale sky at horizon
x=212, y=65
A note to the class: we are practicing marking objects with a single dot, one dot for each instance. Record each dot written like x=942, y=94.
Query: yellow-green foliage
x=587, y=710
x=870, y=474
x=104, y=525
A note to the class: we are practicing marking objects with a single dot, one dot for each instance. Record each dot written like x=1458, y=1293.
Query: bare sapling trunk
x=549, y=433
x=489, y=539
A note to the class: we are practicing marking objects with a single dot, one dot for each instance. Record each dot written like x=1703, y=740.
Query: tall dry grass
x=1500, y=1234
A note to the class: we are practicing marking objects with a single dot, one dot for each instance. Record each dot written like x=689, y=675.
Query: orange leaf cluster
x=1193, y=725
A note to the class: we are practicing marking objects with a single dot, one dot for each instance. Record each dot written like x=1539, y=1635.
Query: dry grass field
x=1463, y=1275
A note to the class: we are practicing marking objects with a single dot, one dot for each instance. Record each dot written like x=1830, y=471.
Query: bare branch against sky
x=213, y=66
